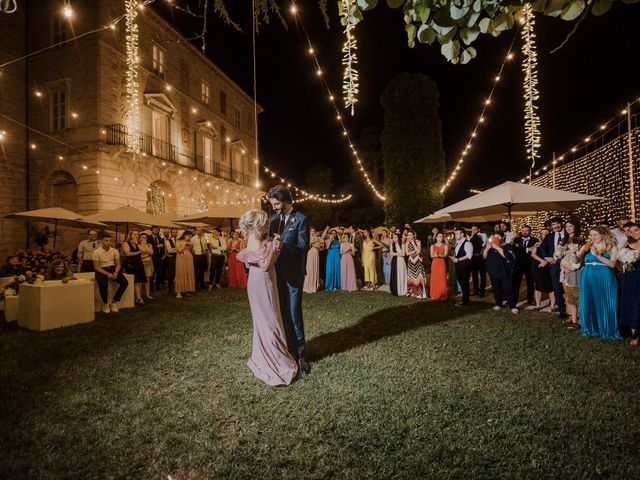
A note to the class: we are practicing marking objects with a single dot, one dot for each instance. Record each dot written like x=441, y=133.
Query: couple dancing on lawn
x=276, y=277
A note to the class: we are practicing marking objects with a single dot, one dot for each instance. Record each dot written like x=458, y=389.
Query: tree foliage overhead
x=412, y=149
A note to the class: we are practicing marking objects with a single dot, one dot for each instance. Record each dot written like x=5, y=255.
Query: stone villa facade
x=64, y=139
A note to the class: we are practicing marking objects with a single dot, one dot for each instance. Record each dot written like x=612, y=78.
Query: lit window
x=237, y=116
x=204, y=94
x=158, y=60
x=207, y=153
x=59, y=105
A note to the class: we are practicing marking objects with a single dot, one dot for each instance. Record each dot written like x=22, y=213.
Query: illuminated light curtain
x=132, y=118
x=531, y=93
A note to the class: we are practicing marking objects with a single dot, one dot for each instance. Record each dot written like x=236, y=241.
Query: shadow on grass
x=385, y=323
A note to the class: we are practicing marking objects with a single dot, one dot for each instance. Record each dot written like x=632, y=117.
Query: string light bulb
x=67, y=10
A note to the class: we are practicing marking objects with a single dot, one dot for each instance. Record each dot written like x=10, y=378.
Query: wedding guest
x=157, y=243
x=237, y=272
x=500, y=262
x=58, y=270
x=521, y=248
x=185, y=281
x=551, y=251
x=599, y=285
x=12, y=268
x=332, y=270
x=356, y=239
x=629, y=257
x=347, y=266
x=431, y=239
x=133, y=263
x=85, y=251
x=386, y=258
x=416, y=276
x=570, y=271
x=618, y=232
x=439, y=251
x=369, y=245
x=146, y=254
x=106, y=264
x=507, y=235
x=541, y=276
x=217, y=247
x=170, y=257
x=199, y=249
x=462, y=255
x=312, y=276
x=323, y=254
x=478, y=273
x=399, y=279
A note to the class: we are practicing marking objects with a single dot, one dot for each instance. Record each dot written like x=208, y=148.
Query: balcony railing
x=117, y=135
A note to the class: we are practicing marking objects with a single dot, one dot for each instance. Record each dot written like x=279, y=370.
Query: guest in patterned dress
x=599, y=286
x=417, y=280
x=439, y=251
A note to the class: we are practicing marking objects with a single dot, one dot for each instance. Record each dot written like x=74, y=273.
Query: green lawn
x=398, y=389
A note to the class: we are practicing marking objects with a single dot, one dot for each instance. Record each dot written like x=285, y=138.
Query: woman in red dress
x=439, y=251
x=237, y=272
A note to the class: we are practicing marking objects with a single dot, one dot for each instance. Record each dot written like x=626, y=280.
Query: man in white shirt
x=505, y=228
x=462, y=255
x=106, y=263
x=619, y=232
x=217, y=247
x=199, y=247
x=85, y=251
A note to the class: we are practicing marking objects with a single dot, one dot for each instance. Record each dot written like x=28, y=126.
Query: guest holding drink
x=439, y=252
x=347, y=265
x=599, y=285
x=630, y=284
x=185, y=281
x=312, y=277
x=332, y=271
x=147, y=255
x=133, y=263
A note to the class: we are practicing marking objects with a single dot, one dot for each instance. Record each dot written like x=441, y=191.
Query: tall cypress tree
x=411, y=149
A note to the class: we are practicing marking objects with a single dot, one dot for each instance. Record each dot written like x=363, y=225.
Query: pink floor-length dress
x=347, y=269
x=270, y=360
x=312, y=277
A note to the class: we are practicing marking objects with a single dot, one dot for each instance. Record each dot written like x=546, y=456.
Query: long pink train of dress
x=270, y=360
x=347, y=269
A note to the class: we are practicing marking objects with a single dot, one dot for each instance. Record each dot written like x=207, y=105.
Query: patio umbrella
x=445, y=217
x=224, y=216
x=128, y=215
x=514, y=198
x=55, y=215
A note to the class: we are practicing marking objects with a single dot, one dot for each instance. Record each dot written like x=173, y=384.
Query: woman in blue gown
x=332, y=272
x=599, y=286
x=386, y=258
x=630, y=285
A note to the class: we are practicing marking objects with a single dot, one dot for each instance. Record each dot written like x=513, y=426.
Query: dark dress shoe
x=303, y=366
x=562, y=316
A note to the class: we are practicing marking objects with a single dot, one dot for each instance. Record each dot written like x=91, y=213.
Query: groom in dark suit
x=290, y=268
x=547, y=250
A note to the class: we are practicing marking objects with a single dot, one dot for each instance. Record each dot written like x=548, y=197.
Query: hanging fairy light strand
x=588, y=140
x=132, y=116
x=332, y=99
x=531, y=93
x=481, y=119
x=350, y=77
x=324, y=198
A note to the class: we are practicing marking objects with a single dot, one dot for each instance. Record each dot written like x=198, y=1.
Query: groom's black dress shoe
x=303, y=366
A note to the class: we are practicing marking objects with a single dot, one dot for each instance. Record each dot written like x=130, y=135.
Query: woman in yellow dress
x=369, y=246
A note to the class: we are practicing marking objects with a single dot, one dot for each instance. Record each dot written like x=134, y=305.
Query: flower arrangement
x=38, y=261
x=12, y=289
x=629, y=258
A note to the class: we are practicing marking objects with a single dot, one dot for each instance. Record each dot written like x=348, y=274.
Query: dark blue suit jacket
x=292, y=263
x=547, y=247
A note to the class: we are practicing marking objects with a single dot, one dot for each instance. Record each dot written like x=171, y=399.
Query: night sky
x=581, y=86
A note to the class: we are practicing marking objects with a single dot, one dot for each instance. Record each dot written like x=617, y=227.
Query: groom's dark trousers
x=291, y=269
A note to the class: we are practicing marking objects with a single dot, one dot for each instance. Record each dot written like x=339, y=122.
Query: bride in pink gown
x=270, y=360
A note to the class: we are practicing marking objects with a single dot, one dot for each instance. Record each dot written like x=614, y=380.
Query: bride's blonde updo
x=252, y=219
